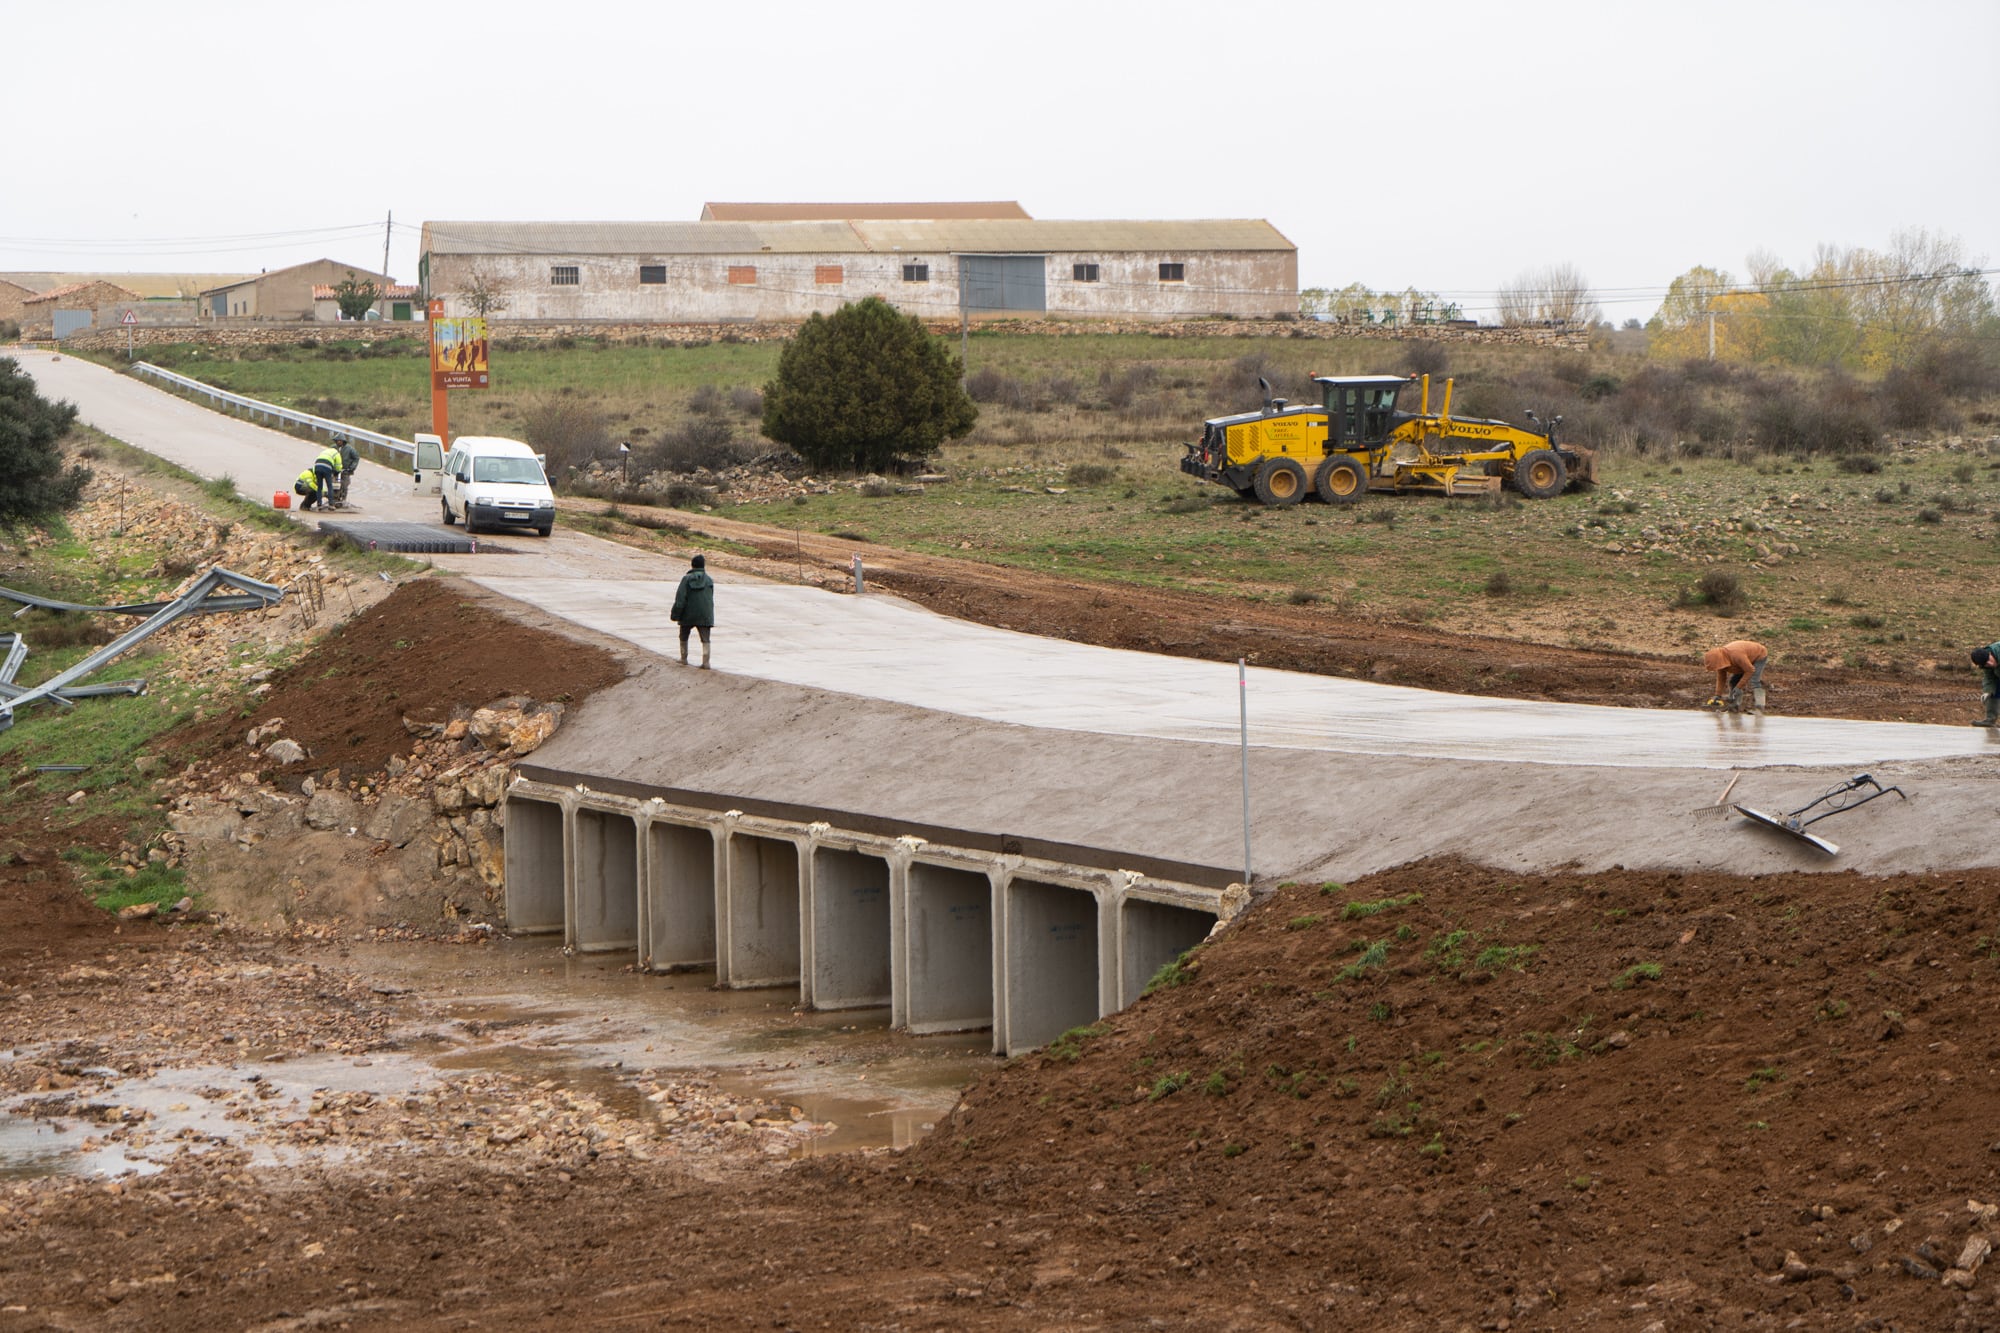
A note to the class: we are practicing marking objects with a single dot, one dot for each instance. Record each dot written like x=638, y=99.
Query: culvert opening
x=851, y=961
x=1154, y=935
x=763, y=911
x=532, y=844
x=680, y=897
x=606, y=911
x=950, y=955
x=1052, y=974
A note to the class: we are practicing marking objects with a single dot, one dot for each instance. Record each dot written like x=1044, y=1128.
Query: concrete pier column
x=848, y=935
x=1151, y=935
x=533, y=855
x=758, y=941
x=948, y=947
x=677, y=916
x=1053, y=978
x=604, y=878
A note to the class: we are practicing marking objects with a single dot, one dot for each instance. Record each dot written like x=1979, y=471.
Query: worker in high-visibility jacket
x=327, y=465
x=308, y=486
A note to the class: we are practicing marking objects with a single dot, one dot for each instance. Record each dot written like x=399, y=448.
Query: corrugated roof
x=71, y=289
x=149, y=285
x=991, y=208
x=994, y=235
x=354, y=269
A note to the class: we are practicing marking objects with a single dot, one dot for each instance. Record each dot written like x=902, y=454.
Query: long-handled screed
x=1843, y=798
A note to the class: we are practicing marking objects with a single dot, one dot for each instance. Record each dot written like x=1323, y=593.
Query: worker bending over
x=1987, y=659
x=1731, y=663
x=308, y=486
x=327, y=466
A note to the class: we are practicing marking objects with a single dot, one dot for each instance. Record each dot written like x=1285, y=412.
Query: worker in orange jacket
x=1731, y=663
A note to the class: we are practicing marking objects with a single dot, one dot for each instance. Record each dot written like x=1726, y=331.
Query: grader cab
x=1357, y=439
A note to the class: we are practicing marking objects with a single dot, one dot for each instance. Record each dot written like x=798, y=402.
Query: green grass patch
x=111, y=888
x=1358, y=911
x=1506, y=957
x=1176, y=973
x=1069, y=1047
x=1635, y=974
x=1373, y=955
x=1167, y=1085
x=1306, y=922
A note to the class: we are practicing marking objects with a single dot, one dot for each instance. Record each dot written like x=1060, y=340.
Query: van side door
x=427, y=466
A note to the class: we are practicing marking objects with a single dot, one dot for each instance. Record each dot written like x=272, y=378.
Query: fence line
x=402, y=449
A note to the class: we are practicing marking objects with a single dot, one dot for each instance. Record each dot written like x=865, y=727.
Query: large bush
x=34, y=483
x=866, y=388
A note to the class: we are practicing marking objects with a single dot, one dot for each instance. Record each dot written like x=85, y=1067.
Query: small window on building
x=1173, y=273
x=1085, y=273
x=652, y=275
x=743, y=275
x=564, y=275
x=916, y=273
x=827, y=273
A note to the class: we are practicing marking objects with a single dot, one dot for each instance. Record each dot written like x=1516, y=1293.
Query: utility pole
x=1711, y=334
x=388, y=225
x=964, y=364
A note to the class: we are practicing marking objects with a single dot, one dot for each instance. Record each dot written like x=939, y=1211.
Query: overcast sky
x=1447, y=146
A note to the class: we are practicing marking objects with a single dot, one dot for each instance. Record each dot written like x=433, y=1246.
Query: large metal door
x=71, y=321
x=1004, y=282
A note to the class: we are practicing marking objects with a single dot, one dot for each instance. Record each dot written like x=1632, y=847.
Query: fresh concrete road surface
x=885, y=649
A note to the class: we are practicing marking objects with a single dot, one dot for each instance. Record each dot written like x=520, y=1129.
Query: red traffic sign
x=131, y=317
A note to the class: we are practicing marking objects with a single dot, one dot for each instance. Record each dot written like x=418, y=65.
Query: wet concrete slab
x=884, y=648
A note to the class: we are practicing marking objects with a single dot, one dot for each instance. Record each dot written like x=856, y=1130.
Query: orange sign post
x=458, y=361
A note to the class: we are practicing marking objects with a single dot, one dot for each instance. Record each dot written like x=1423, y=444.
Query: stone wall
x=504, y=331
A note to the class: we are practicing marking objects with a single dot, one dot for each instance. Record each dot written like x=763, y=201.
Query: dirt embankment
x=1481, y=1101
x=1319, y=639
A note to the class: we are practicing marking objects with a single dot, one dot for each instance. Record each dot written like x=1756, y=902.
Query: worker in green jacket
x=694, y=607
x=308, y=486
x=1987, y=659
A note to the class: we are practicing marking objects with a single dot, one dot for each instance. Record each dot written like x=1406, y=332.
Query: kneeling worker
x=1987, y=659
x=1731, y=663
x=308, y=486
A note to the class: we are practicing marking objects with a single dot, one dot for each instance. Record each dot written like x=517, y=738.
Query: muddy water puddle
x=593, y=1025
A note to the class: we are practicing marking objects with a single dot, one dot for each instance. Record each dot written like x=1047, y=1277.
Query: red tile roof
x=399, y=292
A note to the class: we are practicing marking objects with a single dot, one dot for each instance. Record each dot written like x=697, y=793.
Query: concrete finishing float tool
x=1841, y=797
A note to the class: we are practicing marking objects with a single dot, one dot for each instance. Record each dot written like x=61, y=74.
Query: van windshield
x=525, y=471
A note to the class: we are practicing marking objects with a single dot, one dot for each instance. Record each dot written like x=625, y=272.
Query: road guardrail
x=403, y=450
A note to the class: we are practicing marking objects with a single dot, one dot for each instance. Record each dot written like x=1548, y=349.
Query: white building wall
x=699, y=289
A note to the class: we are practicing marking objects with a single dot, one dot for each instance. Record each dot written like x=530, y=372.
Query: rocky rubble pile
x=435, y=814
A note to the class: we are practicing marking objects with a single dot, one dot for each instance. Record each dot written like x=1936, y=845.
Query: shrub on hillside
x=566, y=430
x=866, y=387
x=698, y=442
x=34, y=483
x=1797, y=422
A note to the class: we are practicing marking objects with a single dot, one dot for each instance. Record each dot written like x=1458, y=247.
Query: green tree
x=356, y=298
x=866, y=388
x=33, y=481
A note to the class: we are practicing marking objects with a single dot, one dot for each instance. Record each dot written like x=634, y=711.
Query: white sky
x=1449, y=145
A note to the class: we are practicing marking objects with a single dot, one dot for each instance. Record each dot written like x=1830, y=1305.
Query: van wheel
x=546, y=531
x=448, y=519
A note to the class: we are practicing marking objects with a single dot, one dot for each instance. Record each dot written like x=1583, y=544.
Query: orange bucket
x=281, y=499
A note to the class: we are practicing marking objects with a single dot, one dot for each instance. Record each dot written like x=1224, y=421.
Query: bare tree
x=486, y=294
x=1558, y=294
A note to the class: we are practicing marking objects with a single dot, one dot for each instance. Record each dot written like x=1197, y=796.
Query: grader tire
x=1540, y=474
x=1340, y=481
x=1281, y=481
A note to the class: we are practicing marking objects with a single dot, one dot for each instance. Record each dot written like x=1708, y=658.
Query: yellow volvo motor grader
x=1356, y=441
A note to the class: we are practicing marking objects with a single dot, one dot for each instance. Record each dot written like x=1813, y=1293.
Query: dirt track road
x=1319, y=640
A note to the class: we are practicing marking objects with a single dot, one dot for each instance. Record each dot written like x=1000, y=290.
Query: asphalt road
x=883, y=648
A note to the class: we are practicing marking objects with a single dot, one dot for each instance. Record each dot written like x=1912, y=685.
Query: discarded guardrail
x=198, y=598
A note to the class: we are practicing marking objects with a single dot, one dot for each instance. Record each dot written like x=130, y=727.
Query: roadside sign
x=131, y=317
x=458, y=354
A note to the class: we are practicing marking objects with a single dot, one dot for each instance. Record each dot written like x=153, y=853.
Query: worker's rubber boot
x=1757, y=696
x=684, y=652
x=704, y=656
x=1992, y=717
x=1735, y=700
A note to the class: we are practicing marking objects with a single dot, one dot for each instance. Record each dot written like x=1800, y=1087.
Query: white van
x=491, y=482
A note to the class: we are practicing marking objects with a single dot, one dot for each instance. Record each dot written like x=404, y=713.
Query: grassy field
x=1073, y=468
